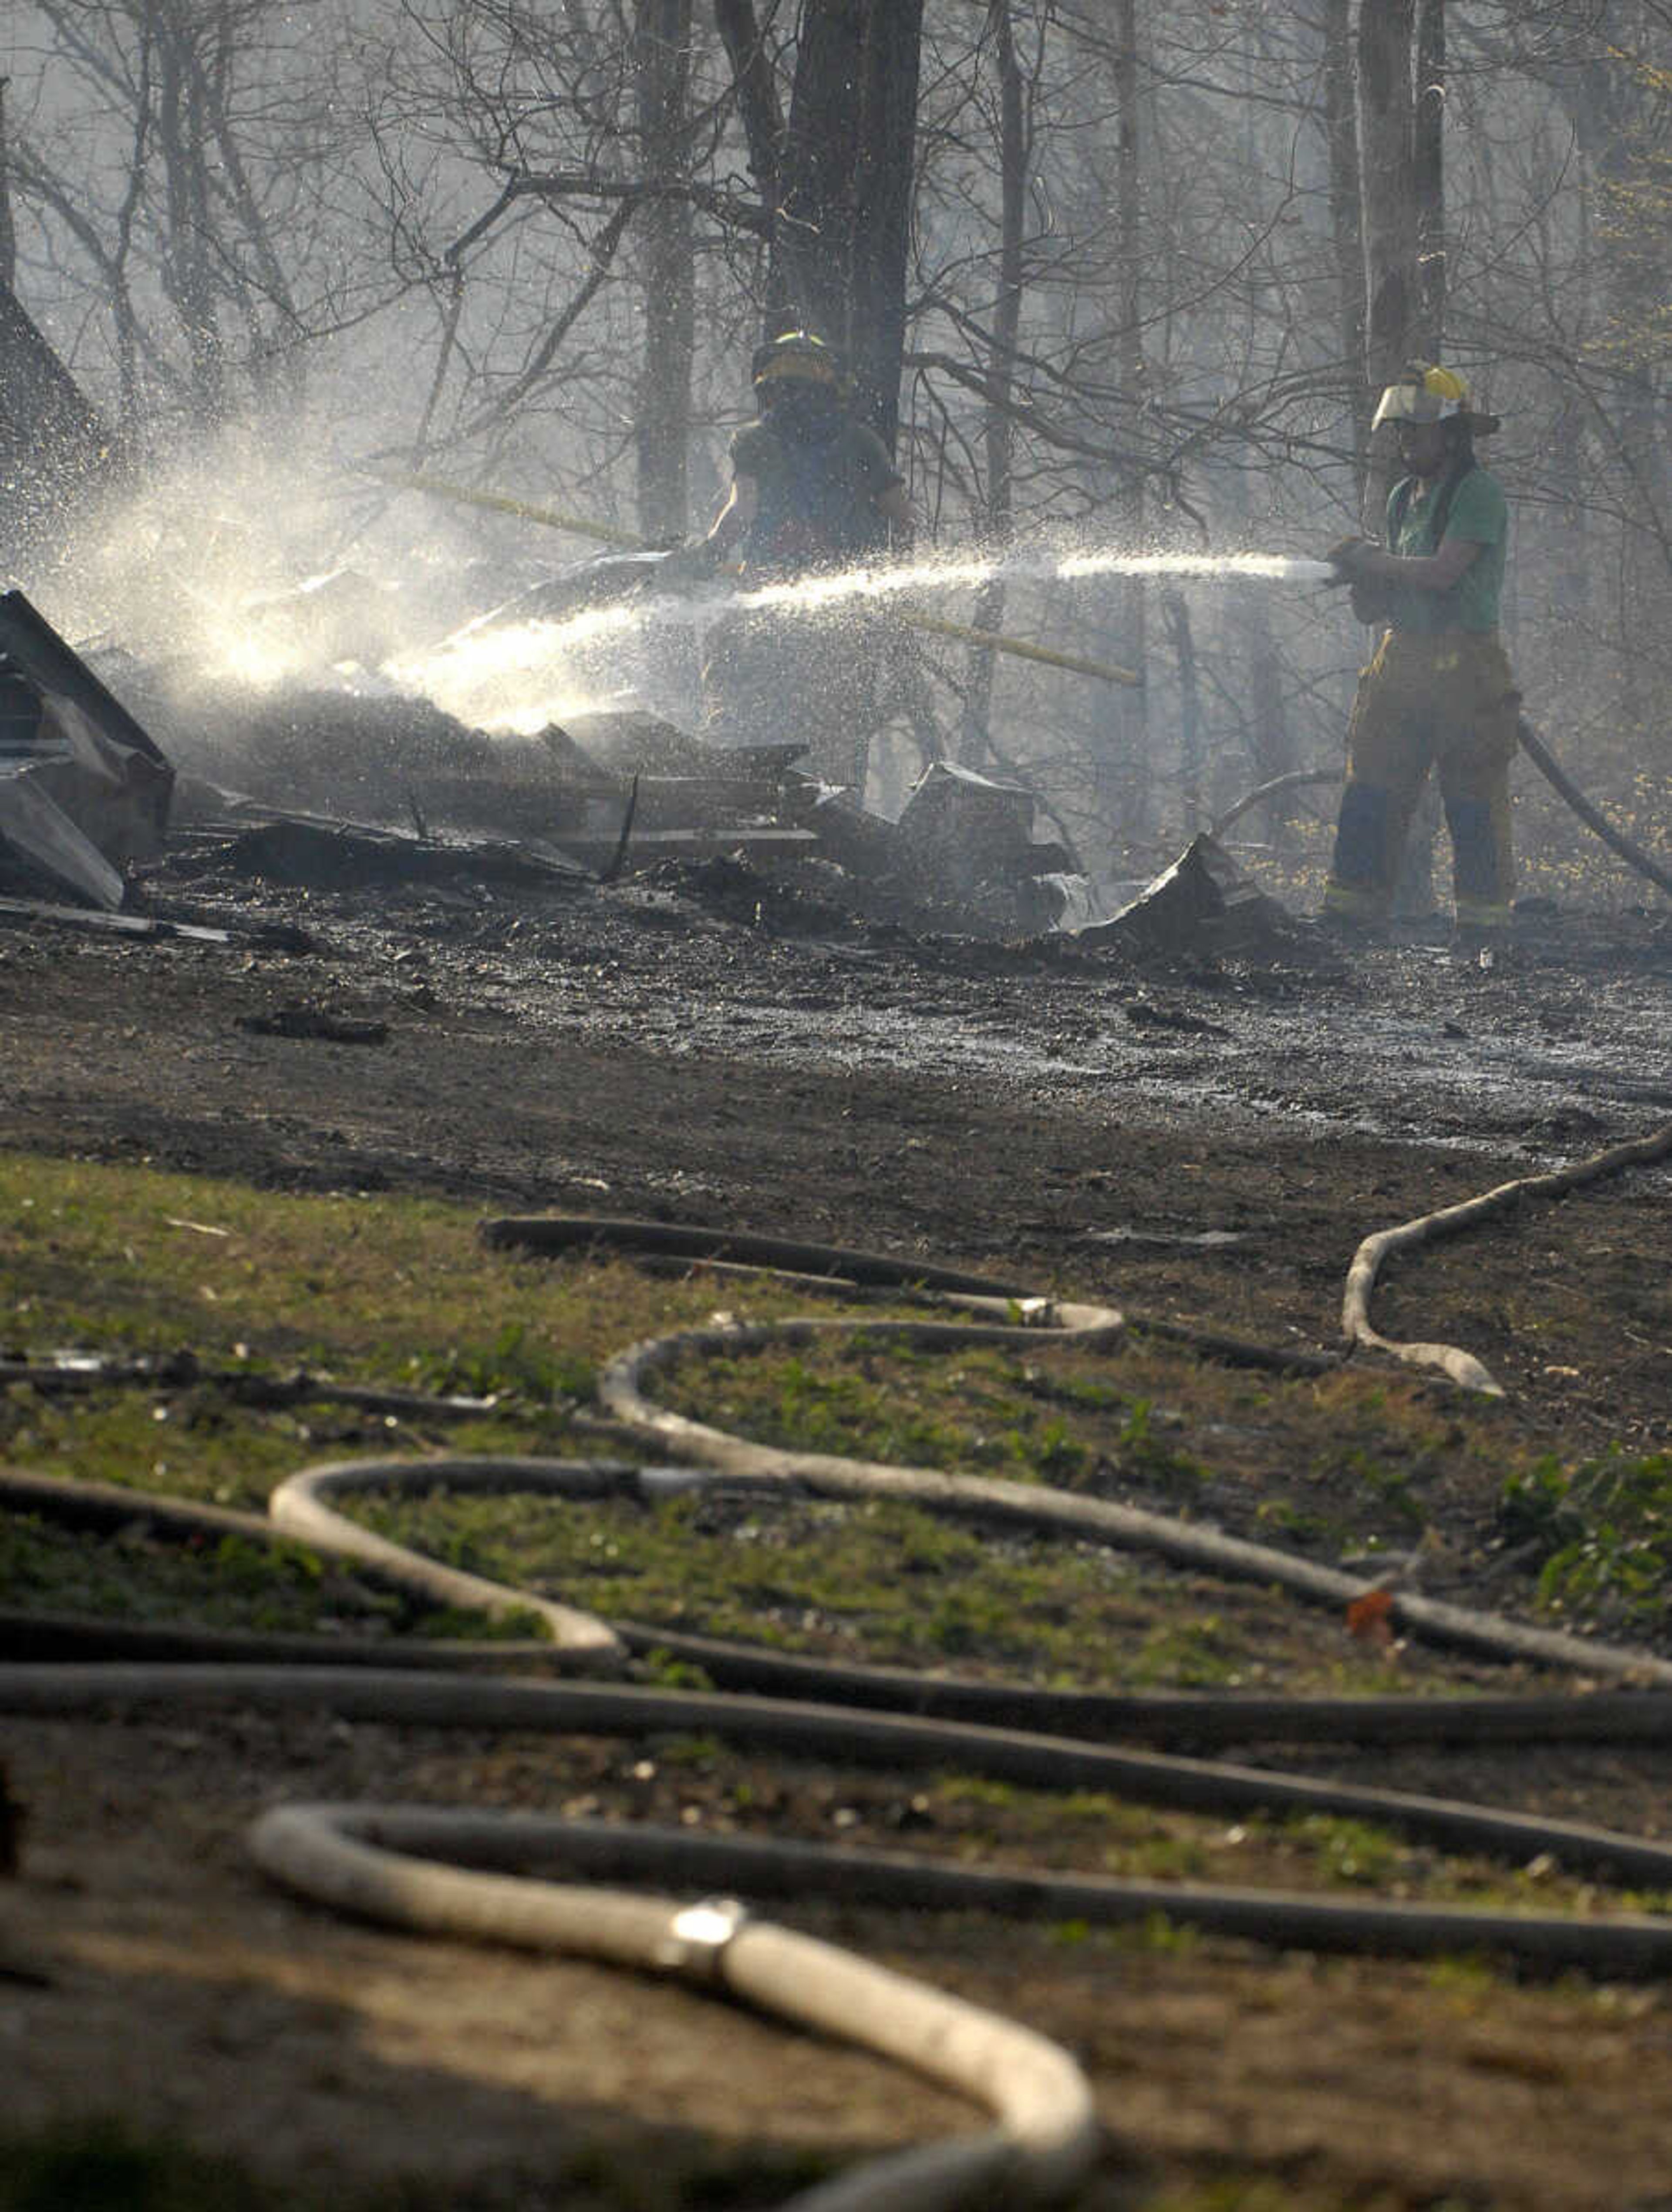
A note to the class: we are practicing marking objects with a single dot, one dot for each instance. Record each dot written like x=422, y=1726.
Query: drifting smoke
x=245, y=569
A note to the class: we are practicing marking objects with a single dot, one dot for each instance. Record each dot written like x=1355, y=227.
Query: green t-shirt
x=1479, y=513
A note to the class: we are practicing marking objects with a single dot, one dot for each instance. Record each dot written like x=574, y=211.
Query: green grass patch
x=368, y=1288
x=888, y=1583
x=399, y=1291
x=218, y=1582
x=981, y=1410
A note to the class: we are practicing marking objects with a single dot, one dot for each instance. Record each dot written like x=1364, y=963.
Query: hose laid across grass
x=1178, y=1719
x=419, y=1867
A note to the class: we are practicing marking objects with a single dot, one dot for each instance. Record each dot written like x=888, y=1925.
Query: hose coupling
x=1036, y=1313
x=697, y=1937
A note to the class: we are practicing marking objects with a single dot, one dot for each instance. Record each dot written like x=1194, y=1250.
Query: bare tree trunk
x=1176, y=613
x=1132, y=763
x=661, y=40
x=1014, y=150
x=188, y=275
x=1414, y=896
x=8, y=235
x=841, y=240
x=1270, y=739
x=285, y=380
x=1429, y=179
x=1340, y=124
x=758, y=107
x=1608, y=107
x=1387, y=155
x=1404, y=212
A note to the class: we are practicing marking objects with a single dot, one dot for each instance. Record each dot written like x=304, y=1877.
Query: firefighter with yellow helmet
x=812, y=489
x=1437, y=692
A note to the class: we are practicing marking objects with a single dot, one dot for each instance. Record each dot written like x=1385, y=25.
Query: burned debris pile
x=1203, y=901
x=615, y=793
x=336, y=786
x=338, y=782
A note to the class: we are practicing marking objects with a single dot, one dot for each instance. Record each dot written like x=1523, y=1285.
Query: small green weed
x=1604, y=1532
x=1350, y=1852
x=1166, y=1938
x=1307, y=1530
x=1192, y=1654
x=1391, y=1485
x=1143, y=1455
x=517, y=1363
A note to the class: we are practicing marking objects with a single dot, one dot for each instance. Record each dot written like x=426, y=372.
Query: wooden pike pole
x=498, y=503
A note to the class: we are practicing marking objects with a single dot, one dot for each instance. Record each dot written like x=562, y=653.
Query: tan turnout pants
x=1447, y=702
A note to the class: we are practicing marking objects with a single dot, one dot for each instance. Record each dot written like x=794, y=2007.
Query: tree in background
x=662, y=57
x=1119, y=273
x=185, y=173
x=835, y=166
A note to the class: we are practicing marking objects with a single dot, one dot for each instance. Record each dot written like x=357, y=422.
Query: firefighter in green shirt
x=1437, y=692
x=812, y=489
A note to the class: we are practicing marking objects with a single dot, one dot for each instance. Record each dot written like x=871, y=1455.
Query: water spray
x=484, y=655
x=812, y=596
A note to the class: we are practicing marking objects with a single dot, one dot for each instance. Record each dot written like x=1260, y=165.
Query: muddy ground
x=708, y=1045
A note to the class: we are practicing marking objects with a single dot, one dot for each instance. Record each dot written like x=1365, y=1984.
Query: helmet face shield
x=1425, y=393
x=797, y=357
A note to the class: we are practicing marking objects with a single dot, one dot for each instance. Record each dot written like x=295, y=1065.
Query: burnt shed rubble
x=332, y=785
x=84, y=789
x=621, y=793
x=336, y=789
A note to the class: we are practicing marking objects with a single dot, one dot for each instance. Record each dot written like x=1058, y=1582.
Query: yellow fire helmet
x=1425, y=393
x=798, y=355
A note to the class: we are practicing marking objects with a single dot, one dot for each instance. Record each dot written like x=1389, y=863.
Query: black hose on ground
x=1178, y=1719
x=549, y=1234
x=898, y=1743
x=1616, y=840
x=362, y=1858
x=72, y=1374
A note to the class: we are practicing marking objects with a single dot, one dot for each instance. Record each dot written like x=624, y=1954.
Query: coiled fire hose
x=466, y=1872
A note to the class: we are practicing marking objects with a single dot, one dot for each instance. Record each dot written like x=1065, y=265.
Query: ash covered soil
x=707, y=1044
x=710, y=1045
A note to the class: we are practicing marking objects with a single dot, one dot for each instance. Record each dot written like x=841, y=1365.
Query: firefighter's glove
x=688, y=568
x=1347, y=557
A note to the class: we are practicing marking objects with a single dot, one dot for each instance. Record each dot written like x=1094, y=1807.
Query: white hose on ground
x=1429, y=1228
x=1098, y=1520
x=354, y=1859
x=298, y=1507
